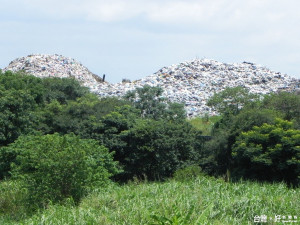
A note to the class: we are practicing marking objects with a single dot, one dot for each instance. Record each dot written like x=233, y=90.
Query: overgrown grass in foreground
x=205, y=200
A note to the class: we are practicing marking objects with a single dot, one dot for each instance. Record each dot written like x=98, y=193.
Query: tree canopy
x=269, y=152
x=245, y=119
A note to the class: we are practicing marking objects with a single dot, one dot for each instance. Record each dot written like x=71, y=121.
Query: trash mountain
x=191, y=83
x=194, y=82
x=54, y=66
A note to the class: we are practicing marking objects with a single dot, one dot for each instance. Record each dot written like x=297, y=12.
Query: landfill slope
x=42, y=65
x=194, y=82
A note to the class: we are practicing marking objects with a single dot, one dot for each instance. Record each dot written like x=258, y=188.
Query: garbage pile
x=193, y=83
x=54, y=66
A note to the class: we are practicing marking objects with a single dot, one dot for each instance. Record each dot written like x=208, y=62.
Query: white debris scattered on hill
x=193, y=83
x=54, y=66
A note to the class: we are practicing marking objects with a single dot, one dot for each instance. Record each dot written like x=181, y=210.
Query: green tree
x=16, y=114
x=21, y=81
x=158, y=148
x=49, y=105
x=109, y=104
x=217, y=158
x=232, y=100
x=114, y=125
x=149, y=101
x=62, y=89
x=286, y=103
x=55, y=167
x=240, y=112
x=81, y=116
x=151, y=148
x=269, y=152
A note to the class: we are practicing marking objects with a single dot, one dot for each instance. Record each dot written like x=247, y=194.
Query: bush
x=269, y=152
x=188, y=173
x=56, y=167
x=16, y=117
x=7, y=156
x=62, y=89
x=155, y=149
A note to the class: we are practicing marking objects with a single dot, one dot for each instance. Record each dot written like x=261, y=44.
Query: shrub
x=16, y=107
x=56, y=167
x=62, y=89
x=269, y=152
x=7, y=156
x=187, y=173
x=156, y=149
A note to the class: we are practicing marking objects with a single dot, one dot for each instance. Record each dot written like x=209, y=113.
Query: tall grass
x=12, y=200
x=204, y=200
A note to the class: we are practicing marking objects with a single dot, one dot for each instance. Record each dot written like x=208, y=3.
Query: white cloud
x=221, y=15
x=108, y=11
x=260, y=21
x=168, y=11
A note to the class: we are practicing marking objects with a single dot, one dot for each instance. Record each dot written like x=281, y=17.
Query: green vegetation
x=149, y=148
x=248, y=140
x=54, y=167
x=204, y=124
x=232, y=100
x=150, y=104
x=187, y=173
x=68, y=157
x=13, y=205
x=269, y=151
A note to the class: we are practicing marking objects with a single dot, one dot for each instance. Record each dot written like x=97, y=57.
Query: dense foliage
x=16, y=108
x=55, y=167
x=231, y=100
x=151, y=143
x=156, y=149
x=269, y=152
x=149, y=135
x=237, y=148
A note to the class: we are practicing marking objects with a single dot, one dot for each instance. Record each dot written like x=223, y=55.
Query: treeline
x=60, y=141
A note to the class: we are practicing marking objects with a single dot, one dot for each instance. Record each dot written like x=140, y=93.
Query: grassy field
x=204, y=200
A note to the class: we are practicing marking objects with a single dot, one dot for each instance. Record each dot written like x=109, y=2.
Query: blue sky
x=135, y=38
